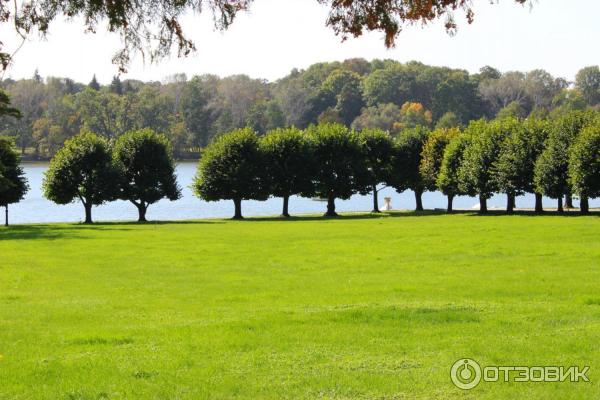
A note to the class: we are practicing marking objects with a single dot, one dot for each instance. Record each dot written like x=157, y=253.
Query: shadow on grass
x=74, y=231
x=61, y=230
x=49, y=232
x=424, y=213
x=531, y=213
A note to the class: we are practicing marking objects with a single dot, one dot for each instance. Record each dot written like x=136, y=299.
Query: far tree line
x=360, y=94
x=556, y=158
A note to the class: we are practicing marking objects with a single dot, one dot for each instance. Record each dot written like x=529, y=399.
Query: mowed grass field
x=359, y=307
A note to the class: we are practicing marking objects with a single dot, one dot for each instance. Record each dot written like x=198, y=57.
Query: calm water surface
x=36, y=209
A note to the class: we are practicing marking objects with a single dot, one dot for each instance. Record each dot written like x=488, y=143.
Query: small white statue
x=387, y=203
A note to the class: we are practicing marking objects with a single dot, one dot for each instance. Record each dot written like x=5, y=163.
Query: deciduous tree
x=288, y=163
x=432, y=157
x=146, y=169
x=448, y=180
x=82, y=170
x=340, y=169
x=514, y=169
x=232, y=168
x=552, y=166
x=476, y=170
x=405, y=175
x=584, y=165
x=378, y=151
x=13, y=184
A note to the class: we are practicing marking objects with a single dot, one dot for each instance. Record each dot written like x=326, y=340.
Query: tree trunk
x=286, y=201
x=584, y=205
x=539, y=207
x=88, y=212
x=142, y=208
x=375, y=200
x=418, y=200
x=6, y=215
x=482, y=204
x=450, y=199
x=238, y=208
x=330, y=206
x=560, y=205
x=510, y=203
x=569, y=200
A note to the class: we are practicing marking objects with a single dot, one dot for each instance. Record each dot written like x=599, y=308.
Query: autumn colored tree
x=414, y=114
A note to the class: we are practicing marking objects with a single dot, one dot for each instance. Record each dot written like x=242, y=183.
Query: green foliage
x=584, y=163
x=447, y=121
x=378, y=150
x=448, y=180
x=433, y=154
x=587, y=81
x=82, y=170
x=13, y=184
x=512, y=110
x=476, y=172
x=146, y=168
x=5, y=107
x=342, y=92
x=385, y=117
x=409, y=146
x=551, y=168
x=358, y=93
x=232, y=168
x=287, y=155
x=514, y=168
x=339, y=164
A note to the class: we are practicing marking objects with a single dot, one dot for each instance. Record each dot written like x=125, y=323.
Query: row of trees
x=553, y=158
x=138, y=167
x=557, y=158
x=357, y=93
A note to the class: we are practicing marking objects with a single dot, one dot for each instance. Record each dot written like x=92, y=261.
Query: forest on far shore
x=190, y=111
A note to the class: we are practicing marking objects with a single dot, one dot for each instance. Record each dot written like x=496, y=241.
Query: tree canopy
x=339, y=166
x=153, y=27
x=192, y=111
x=287, y=153
x=232, y=168
x=406, y=175
x=82, y=170
x=146, y=168
x=584, y=165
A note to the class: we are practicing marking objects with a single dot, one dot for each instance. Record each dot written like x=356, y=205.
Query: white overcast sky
x=560, y=36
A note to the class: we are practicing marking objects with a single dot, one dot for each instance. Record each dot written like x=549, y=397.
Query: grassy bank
x=359, y=307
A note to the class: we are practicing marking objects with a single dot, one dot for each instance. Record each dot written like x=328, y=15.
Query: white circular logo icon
x=465, y=373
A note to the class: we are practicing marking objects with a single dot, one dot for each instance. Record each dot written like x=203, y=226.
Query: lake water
x=36, y=209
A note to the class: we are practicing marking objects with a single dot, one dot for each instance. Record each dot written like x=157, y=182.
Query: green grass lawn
x=353, y=308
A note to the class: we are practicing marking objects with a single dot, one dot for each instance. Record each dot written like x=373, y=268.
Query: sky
x=279, y=35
